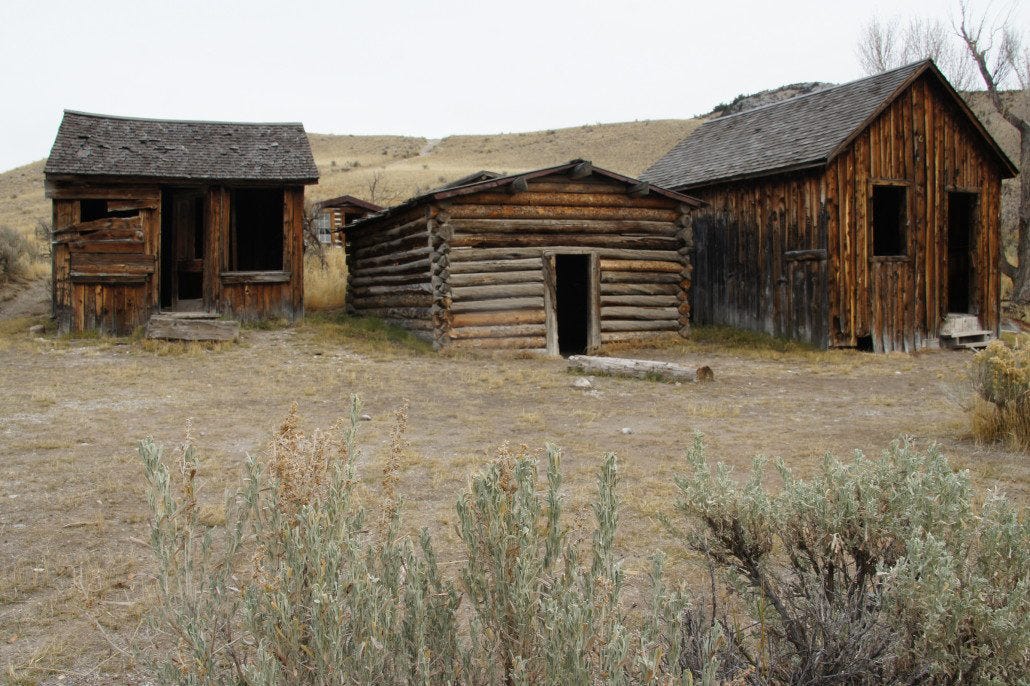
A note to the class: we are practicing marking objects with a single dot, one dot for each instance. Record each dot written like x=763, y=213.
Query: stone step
x=168, y=326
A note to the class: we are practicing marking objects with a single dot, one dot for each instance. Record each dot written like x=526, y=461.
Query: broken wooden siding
x=106, y=272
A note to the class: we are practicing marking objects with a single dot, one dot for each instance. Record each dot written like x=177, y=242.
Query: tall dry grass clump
x=325, y=283
x=20, y=256
x=1000, y=377
x=888, y=570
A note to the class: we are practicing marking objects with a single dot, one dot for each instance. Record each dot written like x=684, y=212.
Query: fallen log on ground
x=641, y=369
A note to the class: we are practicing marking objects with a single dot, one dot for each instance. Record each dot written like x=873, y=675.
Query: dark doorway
x=182, y=247
x=961, y=240
x=572, y=291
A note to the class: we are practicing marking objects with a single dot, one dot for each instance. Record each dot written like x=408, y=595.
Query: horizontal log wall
x=388, y=272
x=792, y=254
x=499, y=247
x=104, y=271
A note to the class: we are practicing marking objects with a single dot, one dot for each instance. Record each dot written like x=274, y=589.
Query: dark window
x=257, y=230
x=890, y=221
x=91, y=210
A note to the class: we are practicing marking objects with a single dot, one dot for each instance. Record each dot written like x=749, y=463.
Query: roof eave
x=788, y=169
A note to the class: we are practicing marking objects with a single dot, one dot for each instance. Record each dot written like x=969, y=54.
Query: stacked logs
x=477, y=270
x=388, y=273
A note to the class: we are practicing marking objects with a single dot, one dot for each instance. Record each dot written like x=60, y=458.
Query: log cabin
x=557, y=260
x=168, y=216
x=865, y=215
x=335, y=213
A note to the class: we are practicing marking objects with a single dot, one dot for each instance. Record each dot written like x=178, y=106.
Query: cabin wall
x=388, y=272
x=760, y=259
x=106, y=273
x=494, y=255
x=923, y=141
x=105, y=270
x=252, y=295
x=792, y=255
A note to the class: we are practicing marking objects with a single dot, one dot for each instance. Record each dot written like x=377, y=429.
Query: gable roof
x=803, y=132
x=488, y=184
x=474, y=177
x=349, y=201
x=102, y=145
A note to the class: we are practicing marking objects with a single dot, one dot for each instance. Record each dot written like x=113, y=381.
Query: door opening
x=572, y=292
x=961, y=242
x=182, y=248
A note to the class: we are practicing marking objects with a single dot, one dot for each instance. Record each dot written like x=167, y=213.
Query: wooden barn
x=169, y=216
x=558, y=260
x=335, y=213
x=858, y=216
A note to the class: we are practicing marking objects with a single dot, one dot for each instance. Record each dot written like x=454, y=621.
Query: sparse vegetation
x=1001, y=380
x=299, y=585
x=19, y=256
x=870, y=572
x=878, y=571
x=364, y=334
x=325, y=279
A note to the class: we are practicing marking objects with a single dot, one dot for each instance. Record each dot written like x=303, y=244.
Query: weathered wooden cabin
x=559, y=260
x=857, y=216
x=152, y=215
x=335, y=213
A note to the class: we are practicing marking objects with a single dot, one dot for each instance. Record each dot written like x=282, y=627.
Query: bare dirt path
x=75, y=570
x=25, y=300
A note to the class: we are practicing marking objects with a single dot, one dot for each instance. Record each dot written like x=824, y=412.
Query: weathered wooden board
x=640, y=369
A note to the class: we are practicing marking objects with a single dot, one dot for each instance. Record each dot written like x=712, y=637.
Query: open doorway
x=962, y=209
x=572, y=293
x=182, y=248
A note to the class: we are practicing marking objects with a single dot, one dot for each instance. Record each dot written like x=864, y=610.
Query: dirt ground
x=75, y=585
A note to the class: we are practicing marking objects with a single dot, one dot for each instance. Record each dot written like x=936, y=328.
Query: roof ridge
x=97, y=115
x=823, y=91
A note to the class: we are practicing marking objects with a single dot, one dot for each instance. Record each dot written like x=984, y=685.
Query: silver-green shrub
x=875, y=571
x=298, y=586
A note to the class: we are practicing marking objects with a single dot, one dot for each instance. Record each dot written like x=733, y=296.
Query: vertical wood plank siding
x=108, y=278
x=756, y=258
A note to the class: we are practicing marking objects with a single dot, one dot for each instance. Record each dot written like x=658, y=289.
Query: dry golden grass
x=325, y=286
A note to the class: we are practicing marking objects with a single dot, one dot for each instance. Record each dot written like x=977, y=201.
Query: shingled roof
x=102, y=145
x=802, y=132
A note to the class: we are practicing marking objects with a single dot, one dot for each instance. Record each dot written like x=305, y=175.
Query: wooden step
x=174, y=327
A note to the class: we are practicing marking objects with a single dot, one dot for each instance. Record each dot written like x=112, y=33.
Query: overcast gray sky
x=415, y=68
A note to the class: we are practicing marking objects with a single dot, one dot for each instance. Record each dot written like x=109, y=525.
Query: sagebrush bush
x=876, y=571
x=299, y=586
x=17, y=255
x=1000, y=376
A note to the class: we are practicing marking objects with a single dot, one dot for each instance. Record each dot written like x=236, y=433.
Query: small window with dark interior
x=256, y=240
x=91, y=210
x=890, y=221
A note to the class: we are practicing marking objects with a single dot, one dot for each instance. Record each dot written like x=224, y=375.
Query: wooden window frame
x=905, y=256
